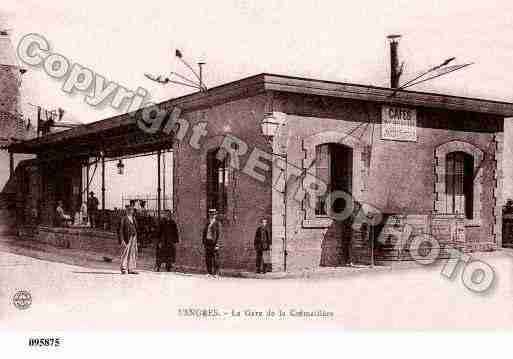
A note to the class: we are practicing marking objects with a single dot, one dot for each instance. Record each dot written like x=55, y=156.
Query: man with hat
x=262, y=244
x=211, y=242
x=92, y=209
x=166, y=242
x=127, y=234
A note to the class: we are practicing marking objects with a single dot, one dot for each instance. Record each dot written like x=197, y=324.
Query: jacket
x=215, y=233
x=168, y=232
x=262, y=239
x=92, y=204
x=126, y=229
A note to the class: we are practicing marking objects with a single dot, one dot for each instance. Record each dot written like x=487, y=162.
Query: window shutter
x=459, y=176
x=460, y=183
x=203, y=188
x=322, y=173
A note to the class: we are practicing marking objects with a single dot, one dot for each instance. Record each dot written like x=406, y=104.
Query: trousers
x=129, y=254
x=166, y=254
x=93, y=218
x=347, y=251
x=212, y=259
x=260, y=265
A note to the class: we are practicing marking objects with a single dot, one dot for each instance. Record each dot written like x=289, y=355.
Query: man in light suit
x=127, y=233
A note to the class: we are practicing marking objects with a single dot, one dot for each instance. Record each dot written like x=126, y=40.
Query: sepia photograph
x=249, y=166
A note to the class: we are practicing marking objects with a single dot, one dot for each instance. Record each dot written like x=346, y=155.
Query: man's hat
x=91, y=192
x=212, y=211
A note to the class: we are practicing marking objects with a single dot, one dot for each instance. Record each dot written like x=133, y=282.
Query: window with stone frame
x=334, y=166
x=459, y=180
x=356, y=169
x=459, y=184
x=217, y=181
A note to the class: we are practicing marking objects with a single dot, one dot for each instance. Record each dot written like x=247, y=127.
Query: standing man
x=262, y=245
x=347, y=235
x=167, y=239
x=211, y=242
x=128, y=239
x=92, y=209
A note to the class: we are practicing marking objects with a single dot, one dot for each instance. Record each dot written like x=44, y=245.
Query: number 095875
x=44, y=342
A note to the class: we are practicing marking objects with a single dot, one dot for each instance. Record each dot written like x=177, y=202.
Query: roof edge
x=282, y=83
x=263, y=82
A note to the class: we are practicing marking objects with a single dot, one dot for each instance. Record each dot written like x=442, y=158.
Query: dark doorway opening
x=335, y=167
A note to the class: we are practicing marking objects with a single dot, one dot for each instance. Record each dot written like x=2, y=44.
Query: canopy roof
x=92, y=132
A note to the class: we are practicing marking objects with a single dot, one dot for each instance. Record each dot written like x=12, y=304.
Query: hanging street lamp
x=121, y=167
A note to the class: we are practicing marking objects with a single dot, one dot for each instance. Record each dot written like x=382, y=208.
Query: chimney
x=395, y=69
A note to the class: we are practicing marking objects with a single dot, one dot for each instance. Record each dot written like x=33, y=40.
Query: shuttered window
x=322, y=173
x=217, y=182
x=459, y=184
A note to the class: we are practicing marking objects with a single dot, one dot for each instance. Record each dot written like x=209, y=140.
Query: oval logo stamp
x=22, y=299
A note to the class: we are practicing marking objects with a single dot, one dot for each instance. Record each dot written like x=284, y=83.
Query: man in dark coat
x=167, y=239
x=127, y=234
x=211, y=241
x=262, y=243
x=92, y=209
x=347, y=235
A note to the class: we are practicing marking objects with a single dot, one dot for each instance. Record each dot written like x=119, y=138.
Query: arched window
x=458, y=180
x=334, y=166
x=342, y=165
x=459, y=183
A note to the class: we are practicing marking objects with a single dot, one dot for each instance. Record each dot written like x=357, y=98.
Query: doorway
x=337, y=239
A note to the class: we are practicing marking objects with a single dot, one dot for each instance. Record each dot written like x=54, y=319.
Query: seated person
x=62, y=219
x=83, y=214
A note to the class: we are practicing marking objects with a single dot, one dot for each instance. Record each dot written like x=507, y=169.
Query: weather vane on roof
x=184, y=80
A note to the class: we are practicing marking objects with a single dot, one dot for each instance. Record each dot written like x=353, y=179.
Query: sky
x=329, y=40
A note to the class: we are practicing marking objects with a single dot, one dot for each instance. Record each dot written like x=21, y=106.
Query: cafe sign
x=398, y=123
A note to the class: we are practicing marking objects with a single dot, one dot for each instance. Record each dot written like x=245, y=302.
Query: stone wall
x=393, y=176
x=248, y=199
x=79, y=238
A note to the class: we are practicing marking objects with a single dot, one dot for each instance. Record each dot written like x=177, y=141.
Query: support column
x=87, y=179
x=164, y=181
x=41, y=210
x=498, y=189
x=158, y=186
x=11, y=164
x=103, y=181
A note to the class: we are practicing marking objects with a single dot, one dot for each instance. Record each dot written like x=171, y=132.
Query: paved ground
x=146, y=260
x=51, y=253
x=90, y=297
